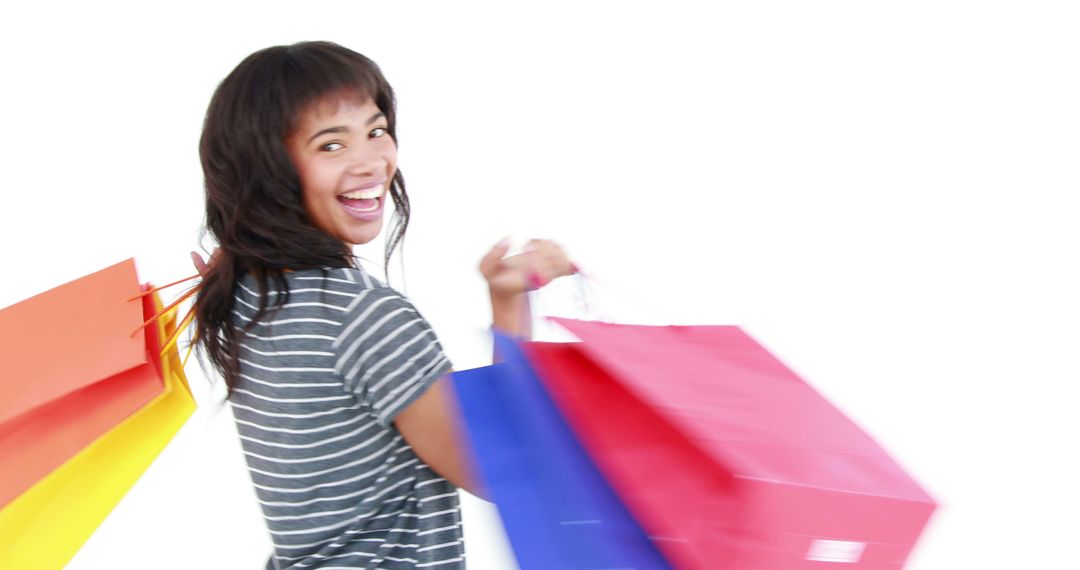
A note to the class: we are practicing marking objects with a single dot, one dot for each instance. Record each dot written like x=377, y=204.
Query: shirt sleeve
x=387, y=353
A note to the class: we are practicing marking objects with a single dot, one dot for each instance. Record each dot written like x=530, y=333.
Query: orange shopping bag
x=72, y=371
x=45, y=525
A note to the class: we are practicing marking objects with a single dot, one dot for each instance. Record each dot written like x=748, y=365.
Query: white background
x=882, y=193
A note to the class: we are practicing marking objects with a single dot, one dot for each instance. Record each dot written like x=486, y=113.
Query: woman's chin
x=361, y=236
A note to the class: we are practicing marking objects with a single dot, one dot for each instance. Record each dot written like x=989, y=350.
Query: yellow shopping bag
x=46, y=525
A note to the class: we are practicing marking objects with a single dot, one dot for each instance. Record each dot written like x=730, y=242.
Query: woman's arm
x=431, y=423
x=512, y=316
x=431, y=426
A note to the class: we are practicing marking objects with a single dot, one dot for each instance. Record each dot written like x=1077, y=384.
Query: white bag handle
x=585, y=296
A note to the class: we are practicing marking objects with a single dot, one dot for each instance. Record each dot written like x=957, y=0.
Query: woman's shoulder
x=337, y=282
x=346, y=278
x=359, y=286
x=336, y=279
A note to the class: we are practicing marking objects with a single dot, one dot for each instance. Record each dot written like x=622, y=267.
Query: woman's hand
x=509, y=278
x=203, y=266
x=538, y=264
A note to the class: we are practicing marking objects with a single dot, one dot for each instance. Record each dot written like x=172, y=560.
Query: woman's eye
x=376, y=133
x=330, y=147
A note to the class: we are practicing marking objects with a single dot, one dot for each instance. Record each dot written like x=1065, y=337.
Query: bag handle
x=189, y=316
x=589, y=297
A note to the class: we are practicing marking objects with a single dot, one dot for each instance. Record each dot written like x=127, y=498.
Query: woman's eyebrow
x=329, y=130
x=343, y=128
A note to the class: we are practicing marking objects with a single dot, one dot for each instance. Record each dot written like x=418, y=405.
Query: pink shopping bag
x=725, y=457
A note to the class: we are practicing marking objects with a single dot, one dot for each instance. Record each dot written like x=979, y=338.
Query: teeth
x=368, y=194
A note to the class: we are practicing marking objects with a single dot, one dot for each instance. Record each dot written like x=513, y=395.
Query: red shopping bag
x=727, y=458
x=72, y=371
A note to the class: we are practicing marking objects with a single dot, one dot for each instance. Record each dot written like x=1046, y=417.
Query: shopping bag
x=46, y=525
x=557, y=510
x=72, y=371
x=725, y=457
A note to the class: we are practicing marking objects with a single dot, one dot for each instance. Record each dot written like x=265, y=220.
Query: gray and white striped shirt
x=321, y=379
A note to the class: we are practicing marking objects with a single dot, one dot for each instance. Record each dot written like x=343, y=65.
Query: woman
x=337, y=383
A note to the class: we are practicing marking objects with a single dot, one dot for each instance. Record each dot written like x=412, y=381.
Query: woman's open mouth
x=361, y=201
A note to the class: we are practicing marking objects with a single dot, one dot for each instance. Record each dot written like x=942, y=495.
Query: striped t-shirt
x=321, y=379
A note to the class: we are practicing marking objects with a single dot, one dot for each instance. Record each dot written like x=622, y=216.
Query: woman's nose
x=364, y=160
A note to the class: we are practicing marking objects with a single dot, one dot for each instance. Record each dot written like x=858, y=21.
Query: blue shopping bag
x=556, y=508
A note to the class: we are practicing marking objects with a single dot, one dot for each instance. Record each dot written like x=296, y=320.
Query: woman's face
x=346, y=160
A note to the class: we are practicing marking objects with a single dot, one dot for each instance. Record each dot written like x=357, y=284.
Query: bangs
x=315, y=71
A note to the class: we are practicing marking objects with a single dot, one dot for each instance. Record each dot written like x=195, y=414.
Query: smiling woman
x=335, y=380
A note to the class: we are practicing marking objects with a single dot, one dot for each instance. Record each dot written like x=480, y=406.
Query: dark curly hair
x=254, y=206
